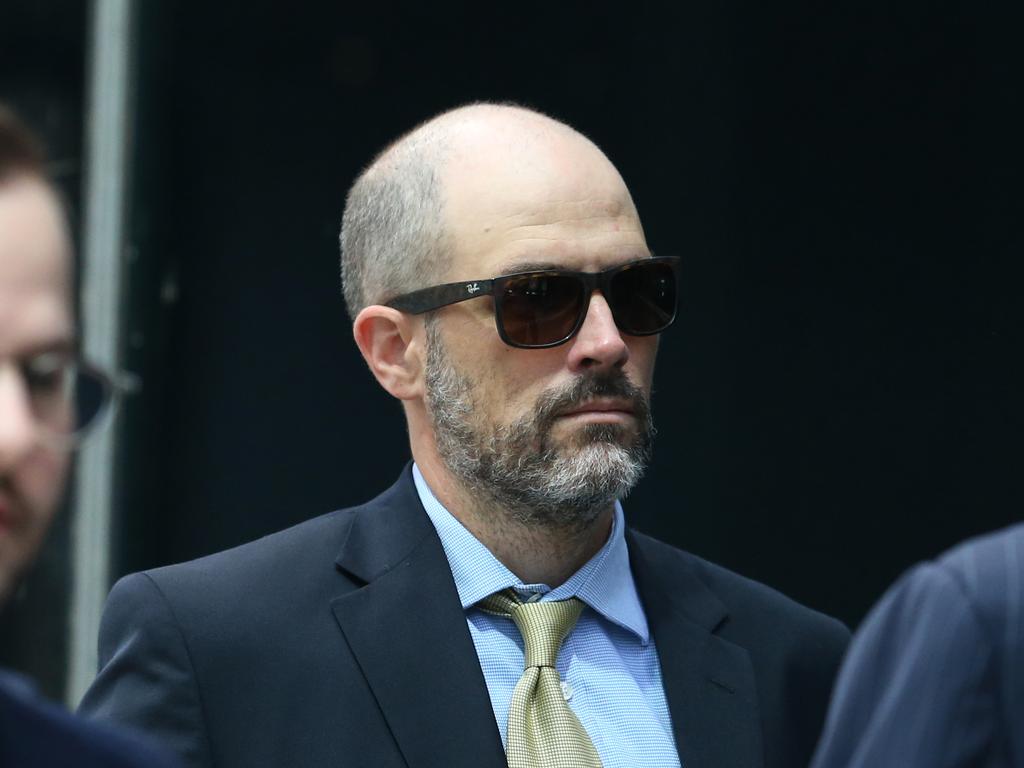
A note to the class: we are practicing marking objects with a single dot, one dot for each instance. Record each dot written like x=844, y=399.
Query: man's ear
x=385, y=336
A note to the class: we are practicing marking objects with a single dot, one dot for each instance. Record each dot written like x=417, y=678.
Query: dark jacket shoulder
x=288, y=575
x=36, y=733
x=384, y=527
x=749, y=605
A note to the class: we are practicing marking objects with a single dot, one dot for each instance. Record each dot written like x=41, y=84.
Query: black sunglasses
x=545, y=308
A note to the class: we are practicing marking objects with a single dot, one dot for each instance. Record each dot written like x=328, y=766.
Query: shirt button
x=566, y=690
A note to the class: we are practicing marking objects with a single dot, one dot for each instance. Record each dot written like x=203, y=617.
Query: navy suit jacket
x=342, y=642
x=37, y=734
x=935, y=676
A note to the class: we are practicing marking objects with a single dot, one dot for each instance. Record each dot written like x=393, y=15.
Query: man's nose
x=17, y=425
x=599, y=343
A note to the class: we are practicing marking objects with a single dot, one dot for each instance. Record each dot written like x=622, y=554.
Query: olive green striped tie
x=543, y=731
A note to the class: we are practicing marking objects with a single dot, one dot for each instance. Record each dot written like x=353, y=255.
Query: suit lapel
x=709, y=682
x=407, y=631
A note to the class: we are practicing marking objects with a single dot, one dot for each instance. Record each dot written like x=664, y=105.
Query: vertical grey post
x=108, y=113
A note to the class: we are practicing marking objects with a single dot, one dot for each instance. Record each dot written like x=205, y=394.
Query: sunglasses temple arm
x=427, y=299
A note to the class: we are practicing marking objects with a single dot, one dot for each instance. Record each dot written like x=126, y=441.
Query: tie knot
x=543, y=625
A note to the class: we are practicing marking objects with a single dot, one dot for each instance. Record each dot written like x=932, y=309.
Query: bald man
x=40, y=423
x=492, y=607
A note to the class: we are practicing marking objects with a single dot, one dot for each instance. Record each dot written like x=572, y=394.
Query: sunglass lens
x=643, y=297
x=540, y=309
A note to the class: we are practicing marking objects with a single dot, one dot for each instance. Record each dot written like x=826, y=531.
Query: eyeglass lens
x=545, y=308
x=540, y=309
x=643, y=298
x=91, y=395
x=65, y=398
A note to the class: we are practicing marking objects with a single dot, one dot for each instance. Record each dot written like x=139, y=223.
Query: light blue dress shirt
x=608, y=663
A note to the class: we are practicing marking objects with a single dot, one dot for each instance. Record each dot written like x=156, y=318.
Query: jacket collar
x=408, y=633
x=407, y=630
x=709, y=682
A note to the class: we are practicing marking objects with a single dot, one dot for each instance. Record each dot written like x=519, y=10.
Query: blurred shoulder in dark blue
x=935, y=675
x=35, y=733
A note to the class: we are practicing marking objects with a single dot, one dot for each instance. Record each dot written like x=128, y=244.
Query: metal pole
x=109, y=112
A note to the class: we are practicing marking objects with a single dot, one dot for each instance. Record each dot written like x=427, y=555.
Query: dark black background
x=841, y=395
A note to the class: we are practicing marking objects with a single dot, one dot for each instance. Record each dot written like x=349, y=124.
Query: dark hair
x=20, y=151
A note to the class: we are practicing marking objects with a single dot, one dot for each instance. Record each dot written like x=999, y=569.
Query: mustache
x=614, y=385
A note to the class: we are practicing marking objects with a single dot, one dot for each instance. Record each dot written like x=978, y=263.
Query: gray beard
x=517, y=467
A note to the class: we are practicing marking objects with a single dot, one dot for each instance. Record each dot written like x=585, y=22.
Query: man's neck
x=535, y=554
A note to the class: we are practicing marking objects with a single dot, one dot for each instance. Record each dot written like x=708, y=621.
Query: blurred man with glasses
x=492, y=608
x=49, y=399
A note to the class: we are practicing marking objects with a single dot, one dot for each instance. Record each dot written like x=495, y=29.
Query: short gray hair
x=393, y=234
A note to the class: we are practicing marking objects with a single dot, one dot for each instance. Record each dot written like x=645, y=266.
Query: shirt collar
x=605, y=582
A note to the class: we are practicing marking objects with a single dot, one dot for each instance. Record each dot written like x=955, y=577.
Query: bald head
x=406, y=215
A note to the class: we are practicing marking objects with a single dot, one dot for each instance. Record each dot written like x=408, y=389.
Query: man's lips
x=601, y=409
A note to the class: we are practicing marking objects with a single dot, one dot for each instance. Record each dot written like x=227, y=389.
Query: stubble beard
x=519, y=467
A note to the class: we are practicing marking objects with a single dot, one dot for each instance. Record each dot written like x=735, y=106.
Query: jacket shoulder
x=305, y=551
x=751, y=606
x=986, y=570
x=37, y=732
x=317, y=540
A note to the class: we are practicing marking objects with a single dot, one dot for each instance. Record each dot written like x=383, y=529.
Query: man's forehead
x=34, y=268
x=581, y=228
x=34, y=244
x=31, y=270
x=34, y=323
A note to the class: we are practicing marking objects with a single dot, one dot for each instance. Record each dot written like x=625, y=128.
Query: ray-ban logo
x=472, y=288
